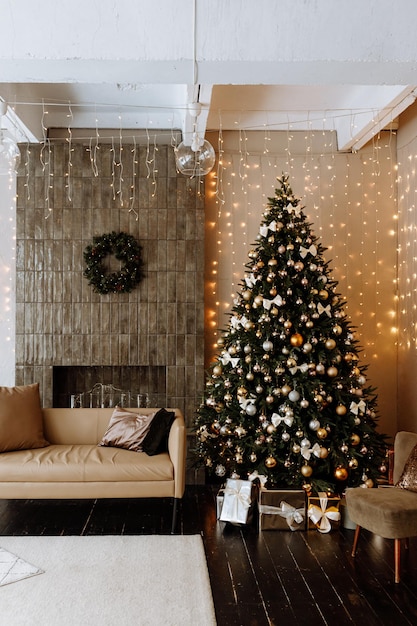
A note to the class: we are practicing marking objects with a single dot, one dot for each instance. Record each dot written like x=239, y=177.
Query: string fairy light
x=45, y=160
x=133, y=185
x=70, y=151
x=113, y=168
x=119, y=163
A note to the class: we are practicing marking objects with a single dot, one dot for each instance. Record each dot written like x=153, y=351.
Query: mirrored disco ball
x=197, y=163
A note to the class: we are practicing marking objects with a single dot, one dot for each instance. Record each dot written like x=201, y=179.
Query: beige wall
x=350, y=200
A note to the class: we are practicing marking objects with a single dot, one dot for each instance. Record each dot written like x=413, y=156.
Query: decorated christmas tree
x=287, y=396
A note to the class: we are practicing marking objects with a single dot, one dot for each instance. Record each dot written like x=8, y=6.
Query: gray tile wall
x=60, y=320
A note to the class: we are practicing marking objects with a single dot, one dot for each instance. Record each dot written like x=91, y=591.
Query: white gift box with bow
x=323, y=512
x=237, y=501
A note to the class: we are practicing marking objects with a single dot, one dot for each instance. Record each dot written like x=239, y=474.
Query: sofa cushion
x=83, y=463
x=126, y=430
x=408, y=478
x=156, y=440
x=21, y=426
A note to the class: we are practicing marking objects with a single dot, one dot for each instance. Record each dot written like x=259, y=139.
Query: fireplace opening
x=137, y=385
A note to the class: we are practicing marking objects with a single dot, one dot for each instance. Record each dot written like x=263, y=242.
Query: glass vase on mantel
x=108, y=396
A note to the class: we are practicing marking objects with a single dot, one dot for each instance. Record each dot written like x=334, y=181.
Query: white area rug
x=109, y=581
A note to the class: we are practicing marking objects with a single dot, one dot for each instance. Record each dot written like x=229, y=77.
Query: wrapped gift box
x=323, y=512
x=219, y=502
x=282, y=509
x=238, y=501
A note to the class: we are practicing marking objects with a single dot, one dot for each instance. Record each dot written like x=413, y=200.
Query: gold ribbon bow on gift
x=321, y=516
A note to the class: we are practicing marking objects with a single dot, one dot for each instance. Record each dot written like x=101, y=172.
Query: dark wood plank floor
x=268, y=578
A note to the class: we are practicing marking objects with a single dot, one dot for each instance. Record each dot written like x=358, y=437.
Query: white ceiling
x=348, y=67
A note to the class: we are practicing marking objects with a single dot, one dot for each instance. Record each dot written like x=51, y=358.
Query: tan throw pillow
x=21, y=425
x=408, y=479
x=126, y=430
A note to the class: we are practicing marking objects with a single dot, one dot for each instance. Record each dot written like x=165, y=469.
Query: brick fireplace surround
x=61, y=321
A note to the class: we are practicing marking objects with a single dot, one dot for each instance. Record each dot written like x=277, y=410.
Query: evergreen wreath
x=125, y=249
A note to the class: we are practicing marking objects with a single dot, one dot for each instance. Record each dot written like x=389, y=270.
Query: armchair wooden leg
x=174, y=515
x=397, y=558
x=355, y=539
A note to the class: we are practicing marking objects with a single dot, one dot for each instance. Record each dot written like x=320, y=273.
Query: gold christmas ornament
x=306, y=470
x=246, y=295
x=341, y=409
x=330, y=344
x=341, y=473
x=323, y=453
x=332, y=371
x=322, y=433
x=296, y=340
x=353, y=463
x=323, y=294
x=217, y=370
x=355, y=439
x=270, y=462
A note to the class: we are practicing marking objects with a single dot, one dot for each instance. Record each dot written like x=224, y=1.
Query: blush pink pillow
x=126, y=430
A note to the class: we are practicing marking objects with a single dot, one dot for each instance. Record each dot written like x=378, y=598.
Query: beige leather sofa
x=74, y=466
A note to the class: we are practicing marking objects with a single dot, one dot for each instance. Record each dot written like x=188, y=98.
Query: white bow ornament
x=264, y=229
x=306, y=452
x=268, y=303
x=355, y=407
x=323, y=309
x=277, y=419
x=227, y=358
x=304, y=251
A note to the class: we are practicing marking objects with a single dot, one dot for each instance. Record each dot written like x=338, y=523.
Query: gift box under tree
x=239, y=499
x=323, y=512
x=282, y=509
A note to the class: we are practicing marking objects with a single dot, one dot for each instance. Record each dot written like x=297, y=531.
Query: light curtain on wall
x=7, y=279
x=350, y=199
x=407, y=285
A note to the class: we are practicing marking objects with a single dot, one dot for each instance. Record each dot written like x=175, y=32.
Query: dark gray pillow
x=156, y=440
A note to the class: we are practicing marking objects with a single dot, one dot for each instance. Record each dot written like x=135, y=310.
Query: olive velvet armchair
x=391, y=511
